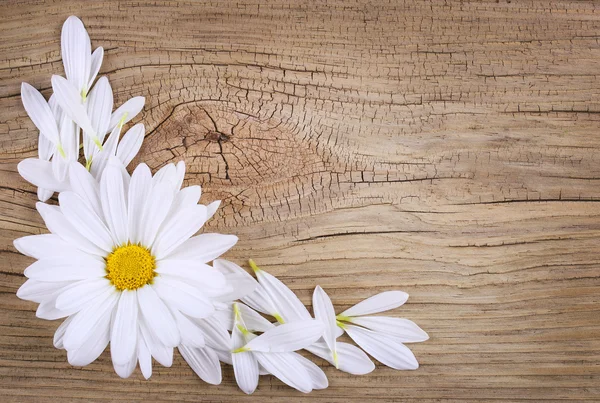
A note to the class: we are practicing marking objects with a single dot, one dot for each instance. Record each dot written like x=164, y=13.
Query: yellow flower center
x=130, y=267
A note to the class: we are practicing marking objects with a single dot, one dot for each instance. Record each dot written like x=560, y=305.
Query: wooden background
x=448, y=149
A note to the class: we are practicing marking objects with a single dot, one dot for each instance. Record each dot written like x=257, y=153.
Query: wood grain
x=448, y=149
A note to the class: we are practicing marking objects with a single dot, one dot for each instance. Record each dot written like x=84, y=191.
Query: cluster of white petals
x=123, y=263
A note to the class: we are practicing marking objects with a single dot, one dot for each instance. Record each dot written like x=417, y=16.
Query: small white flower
x=381, y=336
x=273, y=351
x=122, y=264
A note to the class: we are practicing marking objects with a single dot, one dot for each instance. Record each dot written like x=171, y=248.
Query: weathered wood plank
x=445, y=148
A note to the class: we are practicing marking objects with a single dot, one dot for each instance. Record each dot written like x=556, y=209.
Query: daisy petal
x=183, y=297
x=383, y=348
x=114, y=205
x=79, y=294
x=82, y=217
x=123, y=337
x=212, y=208
x=60, y=333
x=95, y=63
x=130, y=144
x=185, y=198
x=191, y=335
x=351, y=359
x=144, y=358
x=39, y=112
x=93, y=346
x=285, y=367
x=43, y=246
x=157, y=317
x=87, y=320
x=139, y=187
x=324, y=312
x=318, y=377
x=288, y=304
x=126, y=112
x=69, y=268
x=69, y=99
x=44, y=194
x=178, y=229
x=190, y=270
x=57, y=224
x=215, y=333
x=156, y=209
x=162, y=354
x=125, y=370
x=378, y=303
x=204, y=362
x=239, y=282
x=75, y=49
x=287, y=337
x=39, y=291
x=99, y=108
x=245, y=366
x=84, y=184
x=40, y=173
x=204, y=247
x=403, y=330
x=253, y=321
x=260, y=301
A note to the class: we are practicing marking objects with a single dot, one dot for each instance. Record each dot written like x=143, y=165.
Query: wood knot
x=216, y=136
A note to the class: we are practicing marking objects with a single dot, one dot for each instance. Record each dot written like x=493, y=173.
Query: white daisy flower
x=273, y=351
x=381, y=336
x=122, y=265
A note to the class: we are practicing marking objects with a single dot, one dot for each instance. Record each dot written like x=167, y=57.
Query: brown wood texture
x=445, y=148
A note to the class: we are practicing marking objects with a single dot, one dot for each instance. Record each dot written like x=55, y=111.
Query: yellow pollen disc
x=130, y=267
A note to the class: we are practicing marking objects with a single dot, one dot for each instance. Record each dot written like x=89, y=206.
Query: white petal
x=43, y=246
x=185, y=198
x=41, y=174
x=183, y=297
x=94, y=345
x=191, y=335
x=318, y=377
x=125, y=370
x=245, y=366
x=167, y=175
x=239, y=282
x=75, y=50
x=189, y=270
x=84, y=184
x=204, y=247
x=60, y=333
x=156, y=209
x=287, y=303
x=212, y=208
x=57, y=224
x=141, y=182
x=45, y=148
x=259, y=300
x=351, y=359
x=95, y=63
x=253, y=321
x=224, y=356
x=285, y=367
x=69, y=99
x=161, y=353
x=157, y=317
x=215, y=334
x=82, y=217
x=44, y=194
x=324, y=312
x=86, y=321
x=178, y=229
x=384, y=349
x=100, y=159
x=114, y=205
x=76, y=296
x=39, y=291
x=403, y=330
x=39, y=112
x=287, y=337
x=130, y=144
x=377, y=303
x=99, y=108
x=46, y=310
x=144, y=357
x=123, y=337
x=67, y=268
x=126, y=112
x=204, y=362
x=180, y=174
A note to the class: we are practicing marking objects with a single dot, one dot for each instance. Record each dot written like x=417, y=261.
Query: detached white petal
x=204, y=362
x=130, y=144
x=69, y=100
x=403, y=330
x=350, y=358
x=377, y=303
x=384, y=349
x=41, y=174
x=76, y=53
x=40, y=113
x=324, y=312
x=99, y=107
x=285, y=367
x=287, y=337
x=126, y=112
x=95, y=63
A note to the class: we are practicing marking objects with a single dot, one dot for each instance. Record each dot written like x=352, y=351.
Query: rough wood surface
x=445, y=148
